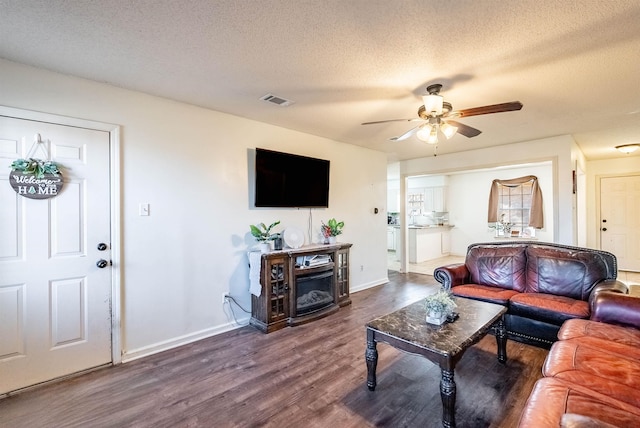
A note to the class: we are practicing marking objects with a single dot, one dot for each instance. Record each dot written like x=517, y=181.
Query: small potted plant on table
x=263, y=235
x=332, y=229
x=439, y=306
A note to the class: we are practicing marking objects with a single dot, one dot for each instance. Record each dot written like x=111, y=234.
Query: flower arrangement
x=502, y=225
x=263, y=233
x=37, y=167
x=440, y=302
x=332, y=228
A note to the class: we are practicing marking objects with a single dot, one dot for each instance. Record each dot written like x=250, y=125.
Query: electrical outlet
x=361, y=268
x=225, y=296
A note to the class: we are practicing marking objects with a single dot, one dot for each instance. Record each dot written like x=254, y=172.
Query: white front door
x=620, y=219
x=55, y=302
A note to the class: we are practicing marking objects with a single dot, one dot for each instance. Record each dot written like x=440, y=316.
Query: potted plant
x=331, y=229
x=502, y=227
x=438, y=306
x=263, y=235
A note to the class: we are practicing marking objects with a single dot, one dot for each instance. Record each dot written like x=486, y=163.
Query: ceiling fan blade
x=494, y=108
x=407, y=134
x=393, y=120
x=465, y=130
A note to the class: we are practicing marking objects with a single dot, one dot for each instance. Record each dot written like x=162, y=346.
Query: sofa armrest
x=616, y=308
x=451, y=275
x=611, y=285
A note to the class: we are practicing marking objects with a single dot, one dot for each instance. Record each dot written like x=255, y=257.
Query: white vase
x=437, y=318
x=265, y=247
x=332, y=239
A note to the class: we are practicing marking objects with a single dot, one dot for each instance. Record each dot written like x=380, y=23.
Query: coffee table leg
x=371, y=356
x=501, y=339
x=448, y=395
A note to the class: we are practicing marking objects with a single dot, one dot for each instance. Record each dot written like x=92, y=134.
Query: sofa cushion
x=497, y=266
x=548, y=307
x=572, y=273
x=610, y=346
x=580, y=327
x=595, y=370
x=486, y=293
x=571, y=420
x=552, y=398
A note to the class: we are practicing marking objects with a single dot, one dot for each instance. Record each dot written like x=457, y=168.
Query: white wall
x=191, y=165
x=469, y=213
x=427, y=181
x=557, y=150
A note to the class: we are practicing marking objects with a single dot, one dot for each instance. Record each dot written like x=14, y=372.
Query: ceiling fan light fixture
x=628, y=148
x=433, y=136
x=433, y=103
x=448, y=130
x=424, y=132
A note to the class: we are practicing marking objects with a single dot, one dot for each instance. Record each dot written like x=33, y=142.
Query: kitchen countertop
x=432, y=227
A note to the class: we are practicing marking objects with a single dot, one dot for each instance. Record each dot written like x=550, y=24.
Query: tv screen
x=292, y=181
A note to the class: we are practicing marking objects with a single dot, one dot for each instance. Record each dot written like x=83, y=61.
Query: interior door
x=55, y=301
x=620, y=219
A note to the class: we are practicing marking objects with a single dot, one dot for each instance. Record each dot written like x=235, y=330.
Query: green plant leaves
x=37, y=167
x=262, y=232
x=332, y=228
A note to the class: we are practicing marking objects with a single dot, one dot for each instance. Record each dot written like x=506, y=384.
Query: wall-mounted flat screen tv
x=285, y=180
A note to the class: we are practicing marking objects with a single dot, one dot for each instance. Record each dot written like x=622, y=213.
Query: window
x=517, y=201
x=514, y=205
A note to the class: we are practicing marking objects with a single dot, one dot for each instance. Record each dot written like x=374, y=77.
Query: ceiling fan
x=436, y=115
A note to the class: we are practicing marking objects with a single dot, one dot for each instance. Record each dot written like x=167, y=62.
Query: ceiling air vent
x=270, y=98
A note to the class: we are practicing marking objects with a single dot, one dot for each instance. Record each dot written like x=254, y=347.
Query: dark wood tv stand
x=277, y=306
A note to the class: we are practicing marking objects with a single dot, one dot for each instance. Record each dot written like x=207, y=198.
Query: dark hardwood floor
x=312, y=375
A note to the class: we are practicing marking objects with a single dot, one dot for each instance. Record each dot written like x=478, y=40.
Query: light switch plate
x=143, y=209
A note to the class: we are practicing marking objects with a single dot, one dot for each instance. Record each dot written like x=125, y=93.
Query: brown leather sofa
x=542, y=284
x=591, y=375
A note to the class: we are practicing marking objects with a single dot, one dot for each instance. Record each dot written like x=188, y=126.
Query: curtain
x=535, y=215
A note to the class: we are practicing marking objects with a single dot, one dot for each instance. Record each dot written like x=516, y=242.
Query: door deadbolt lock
x=102, y=263
x=102, y=246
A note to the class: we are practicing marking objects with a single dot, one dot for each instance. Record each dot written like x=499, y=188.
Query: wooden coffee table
x=407, y=330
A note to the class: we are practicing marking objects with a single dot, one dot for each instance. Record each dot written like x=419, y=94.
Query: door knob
x=102, y=263
x=102, y=246
x=604, y=229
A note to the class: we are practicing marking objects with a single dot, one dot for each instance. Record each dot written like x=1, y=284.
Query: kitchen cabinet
x=446, y=243
x=391, y=239
x=434, y=199
x=428, y=243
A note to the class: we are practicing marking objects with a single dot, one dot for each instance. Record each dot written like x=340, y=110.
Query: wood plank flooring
x=312, y=375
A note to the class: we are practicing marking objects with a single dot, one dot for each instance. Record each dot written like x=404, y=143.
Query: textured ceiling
x=575, y=65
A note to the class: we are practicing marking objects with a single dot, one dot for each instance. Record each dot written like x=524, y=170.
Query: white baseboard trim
x=371, y=284
x=146, y=351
